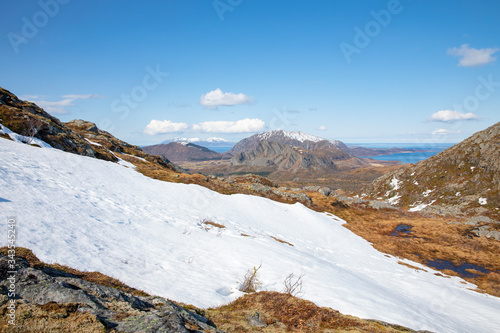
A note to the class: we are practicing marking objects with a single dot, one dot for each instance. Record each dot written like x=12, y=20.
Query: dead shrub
x=293, y=285
x=251, y=282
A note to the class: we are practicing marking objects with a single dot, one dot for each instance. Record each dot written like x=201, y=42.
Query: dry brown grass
x=213, y=224
x=431, y=238
x=50, y=317
x=285, y=313
x=411, y=266
x=94, y=277
x=281, y=241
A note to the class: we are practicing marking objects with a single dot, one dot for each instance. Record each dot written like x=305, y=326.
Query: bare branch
x=293, y=286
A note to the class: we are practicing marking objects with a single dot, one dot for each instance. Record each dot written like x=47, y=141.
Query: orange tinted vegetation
x=280, y=312
x=431, y=238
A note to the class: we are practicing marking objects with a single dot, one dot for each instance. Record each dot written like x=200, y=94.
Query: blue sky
x=358, y=71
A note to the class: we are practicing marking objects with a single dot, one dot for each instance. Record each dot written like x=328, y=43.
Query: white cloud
x=443, y=132
x=470, y=57
x=449, y=116
x=322, y=128
x=29, y=97
x=217, y=97
x=76, y=96
x=241, y=126
x=164, y=126
x=58, y=107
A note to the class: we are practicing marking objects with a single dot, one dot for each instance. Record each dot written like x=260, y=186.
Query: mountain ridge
x=181, y=151
x=459, y=180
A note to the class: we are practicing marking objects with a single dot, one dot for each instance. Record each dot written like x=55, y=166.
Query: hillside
x=173, y=231
x=78, y=136
x=183, y=151
x=464, y=179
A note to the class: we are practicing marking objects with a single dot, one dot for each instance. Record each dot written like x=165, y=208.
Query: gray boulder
x=115, y=309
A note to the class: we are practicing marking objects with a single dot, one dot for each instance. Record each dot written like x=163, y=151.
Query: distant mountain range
x=209, y=143
x=182, y=151
x=291, y=138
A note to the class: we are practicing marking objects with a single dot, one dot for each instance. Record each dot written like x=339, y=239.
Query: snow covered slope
x=96, y=215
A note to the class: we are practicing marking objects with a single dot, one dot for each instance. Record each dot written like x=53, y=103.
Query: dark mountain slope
x=462, y=179
x=182, y=151
x=296, y=139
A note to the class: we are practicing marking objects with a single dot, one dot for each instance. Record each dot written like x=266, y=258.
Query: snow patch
x=420, y=207
x=23, y=139
x=139, y=158
x=124, y=163
x=395, y=183
x=93, y=143
x=426, y=193
x=394, y=200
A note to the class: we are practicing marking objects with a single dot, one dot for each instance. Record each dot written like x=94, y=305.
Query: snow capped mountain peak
x=294, y=135
x=186, y=140
x=337, y=143
x=213, y=140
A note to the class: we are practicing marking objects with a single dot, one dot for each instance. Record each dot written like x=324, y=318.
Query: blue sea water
x=412, y=156
x=220, y=149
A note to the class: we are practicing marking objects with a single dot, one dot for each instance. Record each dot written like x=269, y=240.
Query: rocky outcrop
x=77, y=136
x=486, y=231
x=28, y=119
x=104, y=141
x=53, y=299
x=464, y=179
